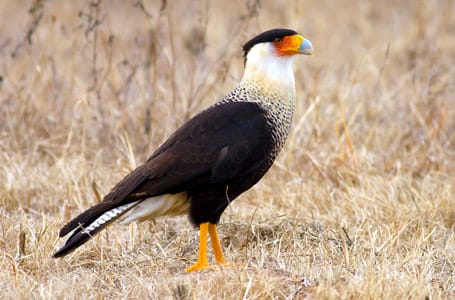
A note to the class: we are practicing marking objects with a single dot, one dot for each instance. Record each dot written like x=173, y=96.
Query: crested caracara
x=214, y=157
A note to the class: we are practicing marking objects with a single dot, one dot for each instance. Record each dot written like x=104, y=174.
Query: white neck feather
x=273, y=73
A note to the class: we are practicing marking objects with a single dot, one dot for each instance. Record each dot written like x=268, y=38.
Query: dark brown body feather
x=214, y=157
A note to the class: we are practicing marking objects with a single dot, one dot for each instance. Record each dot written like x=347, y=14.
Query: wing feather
x=221, y=143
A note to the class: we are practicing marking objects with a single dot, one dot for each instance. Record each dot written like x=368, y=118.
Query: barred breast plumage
x=279, y=110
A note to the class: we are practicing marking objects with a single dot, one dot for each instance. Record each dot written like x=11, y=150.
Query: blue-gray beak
x=306, y=47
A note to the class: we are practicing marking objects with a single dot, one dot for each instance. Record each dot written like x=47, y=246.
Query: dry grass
x=360, y=205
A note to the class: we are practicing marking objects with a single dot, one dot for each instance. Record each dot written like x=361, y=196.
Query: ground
x=359, y=205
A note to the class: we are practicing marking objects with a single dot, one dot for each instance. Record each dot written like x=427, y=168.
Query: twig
x=348, y=241
x=36, y=10
x=141, y=6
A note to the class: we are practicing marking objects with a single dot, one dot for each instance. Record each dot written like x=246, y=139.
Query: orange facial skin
x=290, y=45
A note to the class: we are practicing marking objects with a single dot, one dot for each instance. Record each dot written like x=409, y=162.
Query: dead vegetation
x=360, y=205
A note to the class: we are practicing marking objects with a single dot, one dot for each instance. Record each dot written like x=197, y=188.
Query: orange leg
x=220, y=260
x=201, y=262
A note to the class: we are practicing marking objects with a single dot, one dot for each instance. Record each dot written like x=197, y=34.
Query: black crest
x=267, y=36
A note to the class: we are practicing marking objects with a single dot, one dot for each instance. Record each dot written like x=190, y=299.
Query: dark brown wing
x=221, y=143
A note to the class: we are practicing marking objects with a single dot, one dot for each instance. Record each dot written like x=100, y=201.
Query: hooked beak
x=294, y=44
x=306, y=47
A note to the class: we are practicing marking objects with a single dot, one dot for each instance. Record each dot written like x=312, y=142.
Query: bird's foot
x=198, y=266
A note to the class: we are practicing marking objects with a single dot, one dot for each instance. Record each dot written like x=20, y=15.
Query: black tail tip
x=67, y=248
x=60, y=253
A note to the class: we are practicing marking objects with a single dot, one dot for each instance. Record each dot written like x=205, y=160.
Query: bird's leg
x=220, y=260
x=201, y=262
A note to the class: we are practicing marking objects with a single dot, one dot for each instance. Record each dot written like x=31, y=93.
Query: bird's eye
x=277, y=40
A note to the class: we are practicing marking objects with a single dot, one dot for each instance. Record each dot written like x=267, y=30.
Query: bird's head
x=278, y=42
x=269, y=57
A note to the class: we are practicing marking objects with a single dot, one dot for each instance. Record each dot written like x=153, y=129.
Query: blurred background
x=97, y=68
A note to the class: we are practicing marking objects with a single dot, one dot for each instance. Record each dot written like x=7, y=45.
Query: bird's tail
x=90, y=222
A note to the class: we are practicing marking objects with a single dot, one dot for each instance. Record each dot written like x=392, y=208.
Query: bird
x=213, y=157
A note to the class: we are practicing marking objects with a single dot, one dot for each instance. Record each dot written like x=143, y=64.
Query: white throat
x=270, y=71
